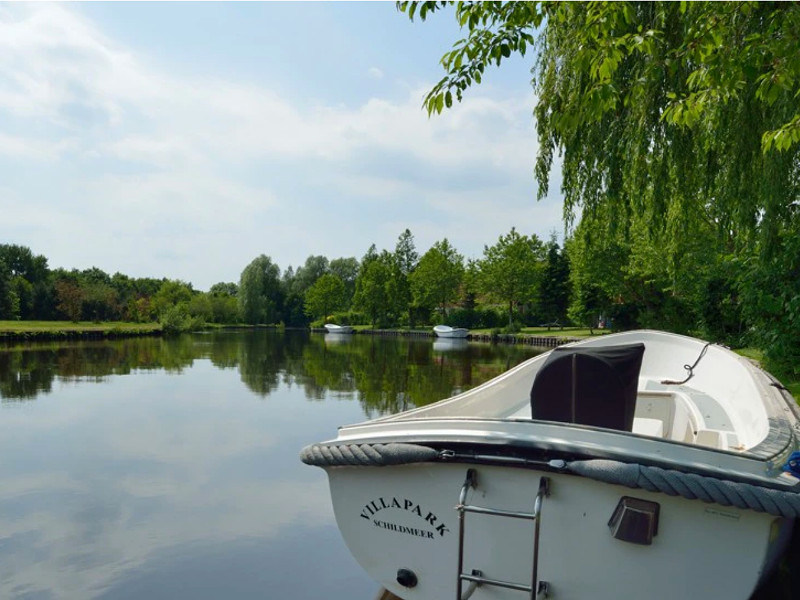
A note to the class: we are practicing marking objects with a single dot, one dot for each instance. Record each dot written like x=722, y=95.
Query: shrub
x=477, y=318
x=461, y=317
x=175, y=320
x=488, y=318
x=350, y=317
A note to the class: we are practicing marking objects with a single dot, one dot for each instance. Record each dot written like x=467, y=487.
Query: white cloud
x=375, y=73
x=147, y=150
x=18, y=146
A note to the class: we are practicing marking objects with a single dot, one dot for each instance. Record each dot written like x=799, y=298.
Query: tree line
x=520, y=280
x=30, y=290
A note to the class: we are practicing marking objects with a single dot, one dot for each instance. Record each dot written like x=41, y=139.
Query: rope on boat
x=691, y=486
x=689, y=368
x=366, y=455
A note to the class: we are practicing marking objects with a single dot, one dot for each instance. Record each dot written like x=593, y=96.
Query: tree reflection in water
x=385, y=374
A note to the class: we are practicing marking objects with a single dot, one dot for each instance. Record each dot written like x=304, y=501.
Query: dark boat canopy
x=589, y=386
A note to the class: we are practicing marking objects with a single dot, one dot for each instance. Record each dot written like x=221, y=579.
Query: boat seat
x=651, y=427
x=712, y=438
x=589, y=386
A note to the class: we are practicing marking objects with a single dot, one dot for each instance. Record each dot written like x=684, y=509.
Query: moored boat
x=333, y=328
x=634, y=465
x=445, y=331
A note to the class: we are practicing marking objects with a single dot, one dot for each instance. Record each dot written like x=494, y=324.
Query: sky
x=183, y=140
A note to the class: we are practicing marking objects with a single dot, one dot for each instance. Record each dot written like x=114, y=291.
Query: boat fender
x=792, y=465
x=366, y=455
x=691, y=486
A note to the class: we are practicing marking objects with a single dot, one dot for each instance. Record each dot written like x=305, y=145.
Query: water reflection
x=28, y=370
x=154, y=468
x=450, y=345
x=335, y=339
x=384, y=374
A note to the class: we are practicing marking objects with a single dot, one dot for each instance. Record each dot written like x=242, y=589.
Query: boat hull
x=444, y=331
x=338, y=329
x=403, y=517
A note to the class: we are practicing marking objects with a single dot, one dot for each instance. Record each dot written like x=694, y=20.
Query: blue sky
x=182, y=140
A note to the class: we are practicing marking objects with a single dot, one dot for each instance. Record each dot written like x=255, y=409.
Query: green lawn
x=39, y=327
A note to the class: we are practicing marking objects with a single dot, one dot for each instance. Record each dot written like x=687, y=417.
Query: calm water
x=150, y=468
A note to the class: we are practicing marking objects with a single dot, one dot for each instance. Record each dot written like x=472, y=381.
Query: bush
x=721, y=311
x=175, y=320
x=461, y=317
x=420, y=314
x=350, y=317
x=475, y=318
x=197, y=323
x=488, y=318
x=771, y=303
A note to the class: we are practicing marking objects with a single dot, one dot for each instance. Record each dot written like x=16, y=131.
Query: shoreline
x=541, y=341
x=29, y=331
x=22, y=331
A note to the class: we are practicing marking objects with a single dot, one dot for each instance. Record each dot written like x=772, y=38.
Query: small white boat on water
x=445, y=331
x=333, y=328
x=634, y=465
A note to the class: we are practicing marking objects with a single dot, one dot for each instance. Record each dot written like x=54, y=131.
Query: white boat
x=445, y=331
x=333, y=328
x=634, y=465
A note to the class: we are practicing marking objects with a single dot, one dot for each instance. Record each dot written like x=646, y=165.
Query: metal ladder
x=537, y=590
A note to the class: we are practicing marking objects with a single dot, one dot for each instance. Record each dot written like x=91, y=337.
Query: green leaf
x=439, y=102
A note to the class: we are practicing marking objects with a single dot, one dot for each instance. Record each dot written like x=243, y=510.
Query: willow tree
x=677, y=121
x=260, y=295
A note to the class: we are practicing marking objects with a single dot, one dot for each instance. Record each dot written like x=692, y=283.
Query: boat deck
x=726, y=403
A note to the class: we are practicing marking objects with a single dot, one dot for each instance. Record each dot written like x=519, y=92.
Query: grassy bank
x=791, y=384
x=31, y=330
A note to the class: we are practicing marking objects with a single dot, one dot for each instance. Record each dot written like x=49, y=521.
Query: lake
x=168, y=468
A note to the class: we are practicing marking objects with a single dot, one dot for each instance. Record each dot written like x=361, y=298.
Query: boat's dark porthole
x=635, y=520
x=406, y=578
